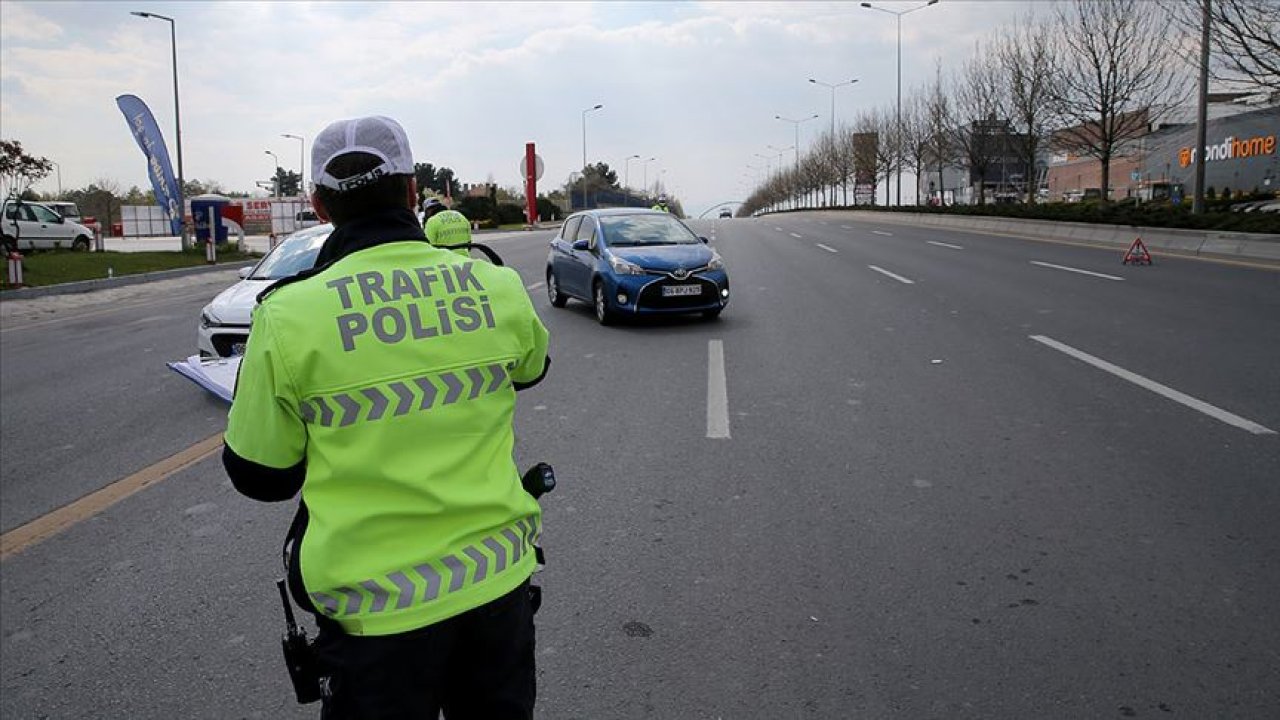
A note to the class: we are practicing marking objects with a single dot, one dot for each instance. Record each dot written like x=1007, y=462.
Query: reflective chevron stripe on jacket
x=432, y=580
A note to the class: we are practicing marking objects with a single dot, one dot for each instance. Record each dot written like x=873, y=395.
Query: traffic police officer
x=382, y=385
x=449, y=229
x=661, y=204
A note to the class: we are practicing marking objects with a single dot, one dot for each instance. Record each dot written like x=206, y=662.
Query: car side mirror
x=244, y=272
x=704, y=239
x=579, y=244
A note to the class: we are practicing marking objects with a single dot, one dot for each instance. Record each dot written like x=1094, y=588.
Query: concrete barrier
x=1209, y=243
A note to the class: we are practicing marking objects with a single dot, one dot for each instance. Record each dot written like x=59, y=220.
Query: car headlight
x=717, y=262
x=622, y=267
x=208, y=319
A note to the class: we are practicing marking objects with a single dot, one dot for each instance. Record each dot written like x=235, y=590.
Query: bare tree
x=1116, y=73
x=939, y=121
x=915, y=138
x=1244, y=36
x=1027, y=63
x=979, y=115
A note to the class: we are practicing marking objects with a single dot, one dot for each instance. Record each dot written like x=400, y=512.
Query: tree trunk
x=1106, y=177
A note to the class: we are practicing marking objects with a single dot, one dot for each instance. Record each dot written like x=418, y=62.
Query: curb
x=84, y=286
x=1258, y=248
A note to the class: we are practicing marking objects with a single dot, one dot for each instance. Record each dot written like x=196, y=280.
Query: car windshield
x=633, y=230
x=293, y=255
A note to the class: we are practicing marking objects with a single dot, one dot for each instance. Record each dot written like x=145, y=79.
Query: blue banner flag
x=143, y=126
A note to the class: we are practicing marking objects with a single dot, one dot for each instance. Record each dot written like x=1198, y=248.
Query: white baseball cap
x=375, y=134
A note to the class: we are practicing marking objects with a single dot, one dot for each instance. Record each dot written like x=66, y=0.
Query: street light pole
x=796, y=124
x=645, y=165
x=275, y=175
x=626, y=178
x=177, y=118
x=58, y=167
x=898, y=111
x=584, y=152
x=302, y=175
x=833, y=99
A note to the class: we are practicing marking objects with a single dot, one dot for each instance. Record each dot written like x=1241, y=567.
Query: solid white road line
x=828, y=249
x=717, y=392
x=899, y=278
x=881, y=232
x=794, y=235
x=1075, y=270
x=1155, y=387
x=945, y=245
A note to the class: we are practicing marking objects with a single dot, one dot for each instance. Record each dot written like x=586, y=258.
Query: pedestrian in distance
x=381, y=385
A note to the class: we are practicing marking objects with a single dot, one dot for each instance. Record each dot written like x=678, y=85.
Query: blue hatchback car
x=628, y=261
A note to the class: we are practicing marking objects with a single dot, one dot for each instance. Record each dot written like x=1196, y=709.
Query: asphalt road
x=999, y=490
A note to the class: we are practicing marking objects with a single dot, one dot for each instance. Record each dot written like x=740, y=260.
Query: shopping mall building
x=1241, y=154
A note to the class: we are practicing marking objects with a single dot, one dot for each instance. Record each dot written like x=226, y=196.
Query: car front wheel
x=81, y=243
x=554, y=294
x=604, y=313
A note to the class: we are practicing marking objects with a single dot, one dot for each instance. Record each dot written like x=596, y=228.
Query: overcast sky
x=695, y=84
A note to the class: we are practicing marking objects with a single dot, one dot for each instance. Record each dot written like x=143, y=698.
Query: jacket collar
x=369, y=231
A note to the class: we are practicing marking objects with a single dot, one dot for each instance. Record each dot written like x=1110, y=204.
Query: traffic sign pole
x=530, y=183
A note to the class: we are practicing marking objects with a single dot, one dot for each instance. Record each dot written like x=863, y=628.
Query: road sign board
x=537, y=167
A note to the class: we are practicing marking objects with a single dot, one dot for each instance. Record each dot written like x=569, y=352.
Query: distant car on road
x=224, y=323
x=726, y=213
x=35, y=226
x=629, y=262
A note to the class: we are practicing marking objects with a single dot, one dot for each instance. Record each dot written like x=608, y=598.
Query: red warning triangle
x=1137, y=253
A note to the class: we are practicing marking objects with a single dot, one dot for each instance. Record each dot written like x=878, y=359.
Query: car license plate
x=681, y=290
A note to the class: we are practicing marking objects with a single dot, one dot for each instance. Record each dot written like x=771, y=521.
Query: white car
x=224, y=322
x=34, y=226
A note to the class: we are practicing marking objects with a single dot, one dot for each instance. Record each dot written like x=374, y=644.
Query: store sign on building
x=1230, y=149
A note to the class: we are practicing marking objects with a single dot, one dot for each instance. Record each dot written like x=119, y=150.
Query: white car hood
x=234, y=306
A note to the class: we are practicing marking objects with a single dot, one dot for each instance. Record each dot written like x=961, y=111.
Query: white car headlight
x=717, y=262
x=623, y=267
x=208, y=319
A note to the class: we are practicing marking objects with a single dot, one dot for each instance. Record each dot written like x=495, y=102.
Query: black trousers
x=476, y=666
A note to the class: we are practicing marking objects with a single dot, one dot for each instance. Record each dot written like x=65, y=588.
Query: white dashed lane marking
x=1155, y=387
x=796, y=235
x=717, y=392
x=945, y=245
x=828, y=249
x=1076, y=270
x=881, y=232
x=895, y=276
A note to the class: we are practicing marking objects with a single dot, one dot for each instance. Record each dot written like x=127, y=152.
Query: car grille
x=223, y=342
x=651, y=296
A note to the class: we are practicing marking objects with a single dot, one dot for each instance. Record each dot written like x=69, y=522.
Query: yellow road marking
x=50, y=524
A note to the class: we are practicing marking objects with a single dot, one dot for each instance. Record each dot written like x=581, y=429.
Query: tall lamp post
x=796, y=124
x=645, y=165
x=626, y=177
x=177, y=118
x=584, y=152
x=833, y=98
x=302, y=153
x=833, y=115
x=898, y=112
x=275, y=174
x=58, y=167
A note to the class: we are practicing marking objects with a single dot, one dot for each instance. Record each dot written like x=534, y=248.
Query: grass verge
x=52, y=267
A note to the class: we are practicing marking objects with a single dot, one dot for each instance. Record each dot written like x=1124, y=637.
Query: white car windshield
x=293, y=255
